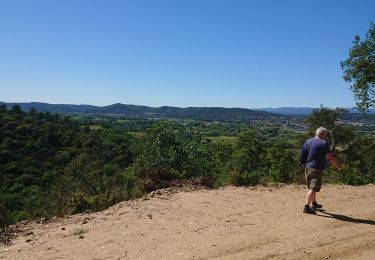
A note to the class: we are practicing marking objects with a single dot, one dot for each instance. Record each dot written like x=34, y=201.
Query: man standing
x=314, y=153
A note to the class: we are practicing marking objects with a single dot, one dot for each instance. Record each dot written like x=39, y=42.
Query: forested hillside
x=197, y=113
x=51, y=165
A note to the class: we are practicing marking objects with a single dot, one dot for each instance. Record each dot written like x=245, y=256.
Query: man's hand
x=332, y=159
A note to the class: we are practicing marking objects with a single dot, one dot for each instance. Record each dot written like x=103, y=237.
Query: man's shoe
x=308, y=210
x=315, y=205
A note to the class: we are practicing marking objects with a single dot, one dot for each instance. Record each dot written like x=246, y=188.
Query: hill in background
x=195, y=113
x=198, y=113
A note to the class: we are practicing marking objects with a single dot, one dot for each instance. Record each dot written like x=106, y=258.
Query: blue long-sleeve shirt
x=313, y=153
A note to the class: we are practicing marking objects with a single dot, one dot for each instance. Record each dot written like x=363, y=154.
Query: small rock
x=42, y=221
x=84, y=221
x=81, y=237
x=29, y=233
x=28, y=240
x=63, y=228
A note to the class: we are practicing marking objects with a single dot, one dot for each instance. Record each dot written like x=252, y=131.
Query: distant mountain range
x=197, y=113
x=302, y=110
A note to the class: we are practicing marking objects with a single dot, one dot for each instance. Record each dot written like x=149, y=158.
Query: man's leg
x=310, y=197
x=316, y=205
x=311, y=194
x=317, y=183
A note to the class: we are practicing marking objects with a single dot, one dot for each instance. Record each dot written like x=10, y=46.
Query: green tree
x=329, y=118
x=162, y=158
x=248, y=158
x=223, y=152
x=362, y=153
x=162, y=147
x=281, y=162
x=359, y=69
x=325, y=117
x=3, y=108
x=199, y=158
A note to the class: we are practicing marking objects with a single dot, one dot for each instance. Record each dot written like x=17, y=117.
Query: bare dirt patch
x=227, y=223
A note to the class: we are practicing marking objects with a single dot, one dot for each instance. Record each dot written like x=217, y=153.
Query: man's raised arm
x=333, y=160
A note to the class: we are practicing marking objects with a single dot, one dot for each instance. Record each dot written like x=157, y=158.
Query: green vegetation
x=359, y=69
x=52, y=165
x=222, y=138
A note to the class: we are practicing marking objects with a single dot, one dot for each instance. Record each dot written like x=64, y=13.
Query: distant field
x=216, y=139
x=123, y=121
x=95, y=127
x=138, y=134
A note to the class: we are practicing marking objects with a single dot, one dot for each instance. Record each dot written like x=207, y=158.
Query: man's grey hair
x=321, y=130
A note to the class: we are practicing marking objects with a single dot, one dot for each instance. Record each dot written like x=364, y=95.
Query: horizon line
x=116, y=103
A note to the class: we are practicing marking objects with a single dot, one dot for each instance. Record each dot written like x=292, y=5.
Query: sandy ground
x=228, y=223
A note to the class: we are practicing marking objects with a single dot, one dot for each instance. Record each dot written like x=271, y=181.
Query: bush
x=246, y=178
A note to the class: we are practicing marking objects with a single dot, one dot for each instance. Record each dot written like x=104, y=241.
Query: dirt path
x=228, y=223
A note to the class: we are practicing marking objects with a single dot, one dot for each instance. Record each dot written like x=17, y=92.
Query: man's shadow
x=345, y=218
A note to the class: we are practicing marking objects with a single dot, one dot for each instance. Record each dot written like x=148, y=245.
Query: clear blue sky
x=227, y=53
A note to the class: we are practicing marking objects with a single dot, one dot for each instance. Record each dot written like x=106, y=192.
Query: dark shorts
x=314, y=179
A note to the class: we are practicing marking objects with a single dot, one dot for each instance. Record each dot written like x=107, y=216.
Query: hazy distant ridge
x=301, y=110
x=201, y=113
x=198, y=113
